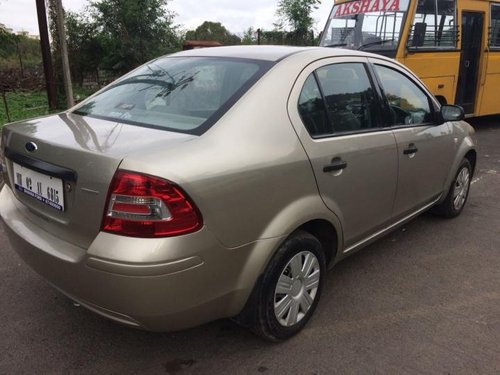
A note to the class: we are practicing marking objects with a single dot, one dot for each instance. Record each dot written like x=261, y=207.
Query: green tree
x=132, y=32
x=84, y=46
x=249, y=36
x=7, y=44
x=297, y=15
x=18, y=52
x=213, y=31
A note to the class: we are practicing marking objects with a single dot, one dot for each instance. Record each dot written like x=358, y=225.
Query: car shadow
x=191, y=349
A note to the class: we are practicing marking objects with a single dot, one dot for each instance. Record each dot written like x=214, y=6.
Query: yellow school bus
x=452, y=45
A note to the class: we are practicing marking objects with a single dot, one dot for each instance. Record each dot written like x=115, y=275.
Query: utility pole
x=6, y=106
x=20, y=55
x=47, y=58
x=68, y=87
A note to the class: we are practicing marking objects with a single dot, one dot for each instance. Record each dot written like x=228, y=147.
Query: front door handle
x=337, y=164
x=410, y=150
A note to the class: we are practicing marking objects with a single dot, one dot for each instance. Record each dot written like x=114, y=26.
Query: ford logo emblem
x=31, y=146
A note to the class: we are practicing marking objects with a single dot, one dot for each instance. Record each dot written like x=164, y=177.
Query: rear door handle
x=337, y=164
x=410, y=150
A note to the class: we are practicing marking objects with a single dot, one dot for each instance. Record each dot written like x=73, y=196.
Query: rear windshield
x=184, y=94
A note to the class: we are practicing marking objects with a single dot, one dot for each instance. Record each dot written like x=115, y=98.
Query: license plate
x=46, y=189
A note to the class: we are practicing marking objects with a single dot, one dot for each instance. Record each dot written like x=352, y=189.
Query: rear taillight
x=139, y=205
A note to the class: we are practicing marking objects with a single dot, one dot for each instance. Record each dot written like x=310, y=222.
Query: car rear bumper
x=156, y=284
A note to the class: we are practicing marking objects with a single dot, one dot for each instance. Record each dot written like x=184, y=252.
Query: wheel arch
x=325, y=231
x=471, y=155
x=465, y=151
x=327, y=235
x=310, y=214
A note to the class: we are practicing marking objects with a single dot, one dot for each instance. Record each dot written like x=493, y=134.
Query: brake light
x=140, y=205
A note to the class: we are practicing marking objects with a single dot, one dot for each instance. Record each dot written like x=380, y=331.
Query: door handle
x=337, y=164
x=410, y=150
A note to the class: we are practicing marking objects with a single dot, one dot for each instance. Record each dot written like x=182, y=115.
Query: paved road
x=425, y=299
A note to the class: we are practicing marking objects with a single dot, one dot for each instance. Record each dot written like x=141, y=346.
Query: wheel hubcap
x=297, y=288
x=461, y=189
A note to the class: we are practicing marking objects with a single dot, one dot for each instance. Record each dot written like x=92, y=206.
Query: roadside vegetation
x=23, y=105
x=28, y=104
x=112, y=37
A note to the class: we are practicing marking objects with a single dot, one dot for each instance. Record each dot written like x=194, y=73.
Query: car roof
x=269, y=53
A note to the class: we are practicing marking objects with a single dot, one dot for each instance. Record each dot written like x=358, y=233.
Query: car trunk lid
x=76, y=157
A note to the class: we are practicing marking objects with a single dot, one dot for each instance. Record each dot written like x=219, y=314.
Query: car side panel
x=361, y=195
x=466, y=141
x=422, y=175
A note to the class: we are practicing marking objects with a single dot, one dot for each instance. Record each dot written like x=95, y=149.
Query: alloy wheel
x=461, y=190
x=297, y=288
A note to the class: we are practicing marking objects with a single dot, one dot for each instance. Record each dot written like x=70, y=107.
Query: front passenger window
x=408, y=103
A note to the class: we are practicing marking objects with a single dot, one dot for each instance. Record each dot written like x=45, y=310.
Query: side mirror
x=452, y=113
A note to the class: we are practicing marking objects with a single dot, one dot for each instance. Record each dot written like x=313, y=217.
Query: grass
x=23, y=105
x=29, y=104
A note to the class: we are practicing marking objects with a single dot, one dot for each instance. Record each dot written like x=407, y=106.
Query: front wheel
x=289, y=290
x=457, y=196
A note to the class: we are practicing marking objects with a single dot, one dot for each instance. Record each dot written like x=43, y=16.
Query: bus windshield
x=372, y=25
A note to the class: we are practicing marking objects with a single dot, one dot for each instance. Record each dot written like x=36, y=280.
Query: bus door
x=472, y=35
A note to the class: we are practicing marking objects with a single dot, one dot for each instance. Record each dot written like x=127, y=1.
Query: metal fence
x=275, y=37
x=23, y=95
x=18, y=105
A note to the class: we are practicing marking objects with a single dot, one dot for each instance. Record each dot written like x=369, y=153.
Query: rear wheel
x=457, y=196
x=289, y=290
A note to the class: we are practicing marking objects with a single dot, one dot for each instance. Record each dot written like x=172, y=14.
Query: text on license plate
x=46, y=189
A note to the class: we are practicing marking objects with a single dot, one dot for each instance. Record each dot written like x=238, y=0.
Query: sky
x=236, y=15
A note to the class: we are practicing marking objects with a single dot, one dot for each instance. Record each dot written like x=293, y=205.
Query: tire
x=288, y=292
x=457, y=196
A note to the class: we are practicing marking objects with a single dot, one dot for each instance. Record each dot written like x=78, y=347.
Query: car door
x=425, y=146
x=336, y=111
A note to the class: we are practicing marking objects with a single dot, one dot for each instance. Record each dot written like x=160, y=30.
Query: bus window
x=434, y=25
x=495, y=26
x=372, y=25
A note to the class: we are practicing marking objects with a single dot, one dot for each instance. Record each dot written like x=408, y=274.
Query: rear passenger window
x=338, y=98
x=349, y=96
x=312, y=109
x=408, y=103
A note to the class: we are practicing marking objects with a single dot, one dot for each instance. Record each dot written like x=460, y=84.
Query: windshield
x=373, y=25
x=184, y=94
